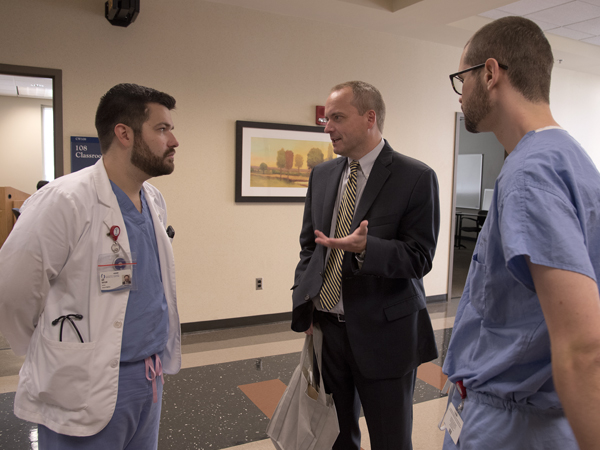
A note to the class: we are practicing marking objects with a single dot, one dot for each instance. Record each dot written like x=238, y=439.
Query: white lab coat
x=48, y=268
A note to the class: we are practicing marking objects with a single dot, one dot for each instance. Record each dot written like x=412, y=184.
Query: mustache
x=169, y=152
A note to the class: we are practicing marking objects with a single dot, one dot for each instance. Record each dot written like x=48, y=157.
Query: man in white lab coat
x=96, y=347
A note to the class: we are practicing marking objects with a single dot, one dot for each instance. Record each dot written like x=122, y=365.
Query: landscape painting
x=274, y=161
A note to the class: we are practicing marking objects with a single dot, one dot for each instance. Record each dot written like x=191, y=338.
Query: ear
x=371, y=118
x=124, y=134
x=492, y=72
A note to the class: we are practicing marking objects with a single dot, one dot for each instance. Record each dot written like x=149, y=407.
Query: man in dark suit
x=362, y=282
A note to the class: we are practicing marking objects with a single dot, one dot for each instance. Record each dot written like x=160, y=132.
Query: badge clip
x=114, y=232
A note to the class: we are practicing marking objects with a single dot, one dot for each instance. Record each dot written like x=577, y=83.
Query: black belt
x=332, y=317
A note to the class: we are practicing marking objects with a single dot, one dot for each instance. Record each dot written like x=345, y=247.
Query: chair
x=479, y=221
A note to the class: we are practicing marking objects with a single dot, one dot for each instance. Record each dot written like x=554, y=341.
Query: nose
x=328, y=127
x=460, y=99
x=173, y=142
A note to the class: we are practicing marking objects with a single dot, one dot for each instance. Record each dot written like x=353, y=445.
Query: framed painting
x=274, y=161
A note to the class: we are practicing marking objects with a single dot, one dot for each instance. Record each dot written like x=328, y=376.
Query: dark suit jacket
x=384, y=301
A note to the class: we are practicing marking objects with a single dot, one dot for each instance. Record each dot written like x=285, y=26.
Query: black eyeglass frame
x=478, y=66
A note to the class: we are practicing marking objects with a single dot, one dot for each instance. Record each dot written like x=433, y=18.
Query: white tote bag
x=305, y=418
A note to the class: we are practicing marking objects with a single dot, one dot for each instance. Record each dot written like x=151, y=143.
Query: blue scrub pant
x=490, y=423
x=134, y=424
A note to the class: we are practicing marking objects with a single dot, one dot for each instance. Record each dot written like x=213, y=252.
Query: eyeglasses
x=457, y=80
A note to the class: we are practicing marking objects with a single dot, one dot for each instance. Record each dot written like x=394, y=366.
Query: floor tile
x=432, y=374
x=265, y=394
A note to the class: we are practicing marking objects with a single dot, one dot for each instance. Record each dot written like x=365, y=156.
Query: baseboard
x=236, y=322
x=437, y=298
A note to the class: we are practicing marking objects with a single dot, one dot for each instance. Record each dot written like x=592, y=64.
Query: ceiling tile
x=524, y=7
x=594, y=40
x=593, y=2
x=589, y=26
x=566, y=14
x=495, y=14
x=572, y=34
x=33, y=82
x=545, y=26
x=7, y=85
x=34, y=91
x=7, y=82
x=25, y=86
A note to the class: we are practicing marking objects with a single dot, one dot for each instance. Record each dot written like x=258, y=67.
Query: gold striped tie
x=332, y=285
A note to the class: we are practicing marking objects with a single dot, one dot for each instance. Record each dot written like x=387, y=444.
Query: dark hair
x=521, y=45
x=366, y=97
x=127, y=104
x=41, y=184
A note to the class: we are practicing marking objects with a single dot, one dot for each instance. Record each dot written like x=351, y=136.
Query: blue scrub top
x=546, y=205
x=146, y=327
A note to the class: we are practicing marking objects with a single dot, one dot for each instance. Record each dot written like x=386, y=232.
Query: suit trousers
x=387, y=403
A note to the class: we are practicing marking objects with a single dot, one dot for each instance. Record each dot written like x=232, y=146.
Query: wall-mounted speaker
x=121, y=13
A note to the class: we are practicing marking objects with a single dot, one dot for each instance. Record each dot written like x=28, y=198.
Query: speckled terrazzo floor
x=203, y=405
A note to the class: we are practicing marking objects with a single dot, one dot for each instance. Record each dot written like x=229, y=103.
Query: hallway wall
x=222, y=64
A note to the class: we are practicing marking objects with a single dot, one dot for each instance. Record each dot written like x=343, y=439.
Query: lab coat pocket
x=58, y=373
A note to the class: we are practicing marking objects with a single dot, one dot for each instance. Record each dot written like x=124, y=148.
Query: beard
x=477, y=108
x=149, y=163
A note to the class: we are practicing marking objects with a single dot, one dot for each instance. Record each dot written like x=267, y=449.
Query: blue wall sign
x=85, y=152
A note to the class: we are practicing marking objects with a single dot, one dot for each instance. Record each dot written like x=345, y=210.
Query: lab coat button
x=118, y=324
x=114, y=363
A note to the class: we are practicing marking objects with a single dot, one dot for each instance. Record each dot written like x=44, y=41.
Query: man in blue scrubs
x=526, y=341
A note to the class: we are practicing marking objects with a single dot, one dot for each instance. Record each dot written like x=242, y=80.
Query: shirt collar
x=548, y=128
x=367, y=161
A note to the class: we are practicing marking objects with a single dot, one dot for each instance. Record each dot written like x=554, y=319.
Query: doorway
x=56, y=116
x=480, y=157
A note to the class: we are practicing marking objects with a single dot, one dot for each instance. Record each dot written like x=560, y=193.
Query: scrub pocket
x=478, y=276
x=58, y=373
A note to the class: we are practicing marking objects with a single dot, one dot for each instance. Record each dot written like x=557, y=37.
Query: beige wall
x=223, y=64
x=575, y=100
x=21, y=158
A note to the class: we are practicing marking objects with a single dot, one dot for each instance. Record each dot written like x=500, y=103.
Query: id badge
x=117, y=271
x=451, y=421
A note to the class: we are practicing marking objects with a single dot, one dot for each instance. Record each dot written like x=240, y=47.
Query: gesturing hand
x=355, y=242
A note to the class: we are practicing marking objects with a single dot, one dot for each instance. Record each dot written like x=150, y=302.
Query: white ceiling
x=579, y=20
x=14, y=86
x=572, y=27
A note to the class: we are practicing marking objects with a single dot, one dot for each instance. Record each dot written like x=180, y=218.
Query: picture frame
x=274, y=160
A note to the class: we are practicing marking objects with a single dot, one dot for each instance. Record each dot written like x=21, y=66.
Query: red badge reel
x=114, y=233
